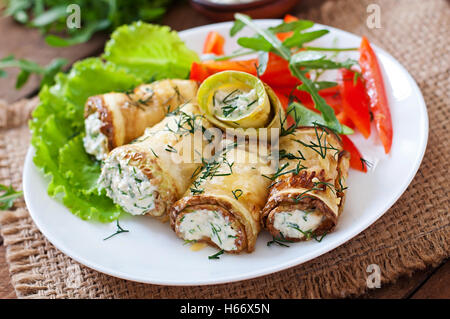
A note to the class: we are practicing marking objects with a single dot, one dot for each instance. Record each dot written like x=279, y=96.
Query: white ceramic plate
x=151, y=253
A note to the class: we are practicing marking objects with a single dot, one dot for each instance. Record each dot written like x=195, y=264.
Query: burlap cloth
x=414, y=233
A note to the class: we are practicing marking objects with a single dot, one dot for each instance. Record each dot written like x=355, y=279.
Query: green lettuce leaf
x=150, y=51
x=57, y=123
x=58, y=126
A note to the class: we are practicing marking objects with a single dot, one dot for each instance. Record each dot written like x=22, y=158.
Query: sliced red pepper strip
x=334, y=100
x=355, y=102
x=355, y=156
x=284, y=35
x=378, y=101
x=198, y=72
x=290, y=18
x=201, y=70
x=344, y=119
x=214, y=43
x=277, y=73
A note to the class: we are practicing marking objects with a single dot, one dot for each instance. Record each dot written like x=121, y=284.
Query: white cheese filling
x=297, y=223
x=95, y=142
x=207, y=223
x=234, y=104
x=127, y=186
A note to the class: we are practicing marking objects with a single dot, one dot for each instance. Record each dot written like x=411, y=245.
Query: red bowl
x=259, y=9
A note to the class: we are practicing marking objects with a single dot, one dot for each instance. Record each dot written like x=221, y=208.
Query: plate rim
x=29, y=164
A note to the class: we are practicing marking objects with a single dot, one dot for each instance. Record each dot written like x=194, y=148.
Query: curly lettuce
x=57, y=123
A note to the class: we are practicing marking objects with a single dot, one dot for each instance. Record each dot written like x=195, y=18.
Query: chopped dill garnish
x=170, y=148
x=154, y=152
x=320, y=147
x=308, y=233
x=225, y=99
x=191, y=241
x=280, y=241
x=216, y=255
x=366, y=163
x=237, y=193
x=118, y=231
x=228, y=109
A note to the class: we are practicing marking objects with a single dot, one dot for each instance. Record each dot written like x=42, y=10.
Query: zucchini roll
x=222, y=206
x=308, y=190
x=148, y=175
x=238, y=100
x=115, y=119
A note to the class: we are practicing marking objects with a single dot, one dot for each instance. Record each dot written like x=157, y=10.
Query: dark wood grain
x=27, y=43
x=437, y=286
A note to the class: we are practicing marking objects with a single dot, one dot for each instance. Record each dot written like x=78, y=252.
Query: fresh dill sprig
x=217, y=255
x=154, y=152
x=321, y=146
x=365, y=163
x=280, y=241
x=308, y=233
x=170, y=148
x=118, y=231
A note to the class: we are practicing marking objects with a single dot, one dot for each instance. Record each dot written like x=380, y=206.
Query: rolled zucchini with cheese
x=115, y=119
x=238, y=100
x=148, y=175
x=308, y=190
x=222, y=207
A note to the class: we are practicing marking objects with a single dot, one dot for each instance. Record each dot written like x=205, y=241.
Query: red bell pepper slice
x=201, y=70
x=356, y=161
x=289, y=18
x=378, y=101
x=355, y=101
x=214, y=43
x=284, y=35
x=344, y=119
x=332, y=99
x=278, y=74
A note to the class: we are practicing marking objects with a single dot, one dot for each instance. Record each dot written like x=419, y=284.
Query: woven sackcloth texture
x=413, y=234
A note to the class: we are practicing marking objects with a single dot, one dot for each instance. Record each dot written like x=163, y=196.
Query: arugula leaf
x=237, y=26
x=316, y=60
x=256, y=43
x=319, y=102
x=7, y=196
x=50, y=16
x=84, y=35
x=269, y=36
x=307, y=84
x=28, y=67
x=298, y=38
x=292, y=26
x=305, y=117
x=320, y=85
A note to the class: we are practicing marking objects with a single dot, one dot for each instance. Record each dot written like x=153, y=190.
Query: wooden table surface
x=433, y=282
